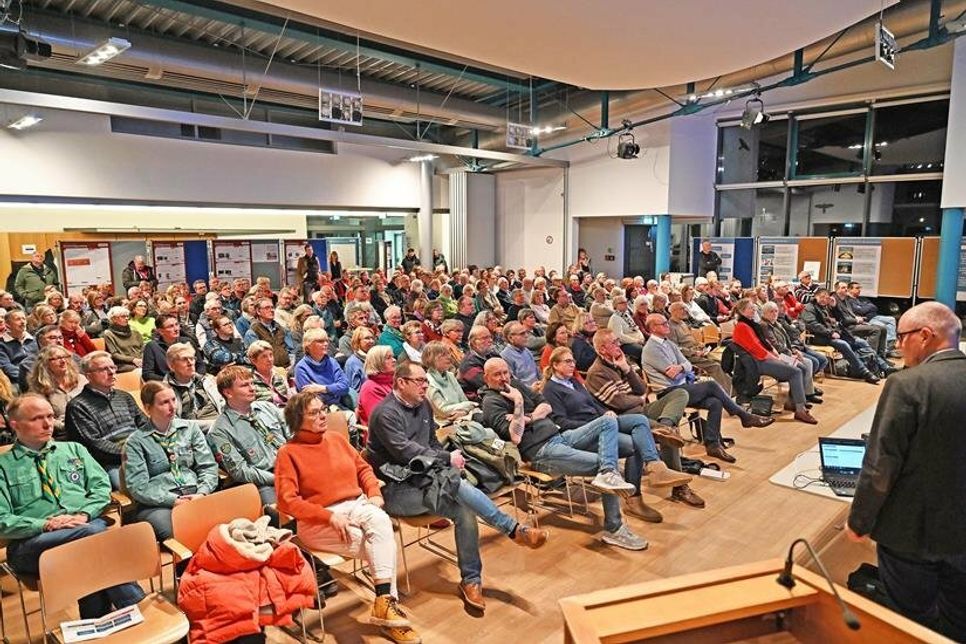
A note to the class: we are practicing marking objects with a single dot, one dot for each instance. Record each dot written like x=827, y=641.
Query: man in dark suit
x=911, y=495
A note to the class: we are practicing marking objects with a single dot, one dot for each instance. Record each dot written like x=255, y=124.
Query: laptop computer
x=841, y=463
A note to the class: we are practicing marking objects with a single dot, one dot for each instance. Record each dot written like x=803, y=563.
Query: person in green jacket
x=391, y=335
x=32, y=278
x=51, y=493
x=168, y=463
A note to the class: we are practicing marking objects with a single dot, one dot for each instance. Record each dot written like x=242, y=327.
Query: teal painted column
x=947, y=272
x=662, y=247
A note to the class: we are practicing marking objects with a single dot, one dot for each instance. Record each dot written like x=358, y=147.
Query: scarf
x=759, y=331
x=167, y=442
x=48, y=485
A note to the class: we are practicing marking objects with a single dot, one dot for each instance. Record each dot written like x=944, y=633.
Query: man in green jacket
x=32, y=279
x=52, y=493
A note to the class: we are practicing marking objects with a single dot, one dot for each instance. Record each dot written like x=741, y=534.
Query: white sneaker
x=623, y=538
x=611, y=482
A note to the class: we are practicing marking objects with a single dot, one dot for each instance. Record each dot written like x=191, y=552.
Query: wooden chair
x=85, y=566
x=727, y=329
x=98, y=343
x=710, y=334
x=130, y=381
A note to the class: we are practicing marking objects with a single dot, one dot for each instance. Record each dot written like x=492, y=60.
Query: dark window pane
x=818, y=210
x=905, y=208
x=831, y=146
x=910, y=138
x=753, y=155
x=752, y=212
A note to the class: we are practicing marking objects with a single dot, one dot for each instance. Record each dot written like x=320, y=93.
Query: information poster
x=86, y=265
x=264, y=252
x=725, y=247
x=777, y=259
x=961, y=281
x=293, y=250
x=232, y=260
x=169, y=266
x=858, y=260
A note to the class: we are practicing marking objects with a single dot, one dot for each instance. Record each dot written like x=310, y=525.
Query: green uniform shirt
x=82, y=486
x=242, y=450
x=154, y=475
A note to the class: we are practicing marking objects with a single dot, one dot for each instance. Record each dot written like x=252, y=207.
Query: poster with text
x=777, y=259
x=725, y=247
x=169, y=266
x=232, y=259
x=86, y=265
x=961, y=281
x=858, y=260
x=265, y=252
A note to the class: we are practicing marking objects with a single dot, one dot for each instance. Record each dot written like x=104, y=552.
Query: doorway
x=638, y=251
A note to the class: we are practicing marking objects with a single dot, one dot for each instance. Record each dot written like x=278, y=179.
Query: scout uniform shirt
x=246, y=446
x=158, y=468
x=72, y=483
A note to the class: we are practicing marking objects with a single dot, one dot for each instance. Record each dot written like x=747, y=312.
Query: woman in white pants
x=334, y=496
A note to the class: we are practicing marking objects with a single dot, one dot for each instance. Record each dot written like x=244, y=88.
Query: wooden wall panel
x=928, y=262
x=896, y=266
x=813, y=249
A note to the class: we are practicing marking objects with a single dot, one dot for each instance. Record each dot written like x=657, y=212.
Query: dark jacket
x=155, y=362
x=572, y=408
x=470, y=372
x=583, y=350
x=911, y=495
x=130, y=276
x=398, y=433
x=820, y=323
x=102, y=423
x=495, y=407
x=708, y=262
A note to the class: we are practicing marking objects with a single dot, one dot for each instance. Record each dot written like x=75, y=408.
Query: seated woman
x=558, y=335
x=582, y=340
x=432, y=319
x=750, y=336
x=95, y=320
x=779, y=338
x=538, y=304
x=41, y=316
x=363, y=339
x=125, y=345
x=270, y=382
x=141, y=321
x=379, y=366
x=445, y=393
x=334, y=496
x=601, y=307
x=168, y=463
x=697, y=317
x=56, y=378
x=321, y=372
x=453, y=339
x=413, y=341
x=624, y=326
x=76, y=339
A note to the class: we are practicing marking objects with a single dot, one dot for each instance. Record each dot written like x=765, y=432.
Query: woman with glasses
x=270, y=382
x=41, y=316
x=453, y=339
x=56, y=378
x=321, y=372
x=445, y=393
x=334, y=496
x=413, y=341
x=558, y=335
x=625, y=327
x=125, y=345
x=141, y=321
x=379, y=367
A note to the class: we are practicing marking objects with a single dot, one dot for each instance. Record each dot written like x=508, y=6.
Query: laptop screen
x=842, y=456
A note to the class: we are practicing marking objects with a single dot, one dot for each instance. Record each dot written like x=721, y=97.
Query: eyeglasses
x=58, y=359
x=568, y=361
x=313, y=413
x=111, y=368
x=418, y=381
x=900, y=335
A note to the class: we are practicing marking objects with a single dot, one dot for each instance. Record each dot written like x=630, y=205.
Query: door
x=638, y=251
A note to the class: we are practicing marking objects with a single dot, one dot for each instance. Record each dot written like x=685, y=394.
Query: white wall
x=481, y=219
x=601, y=236
x=530, y=218
x=76, y=155
x=694, y=146
x=954, y=192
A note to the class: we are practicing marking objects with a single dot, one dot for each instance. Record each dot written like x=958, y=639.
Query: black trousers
x=931, y=591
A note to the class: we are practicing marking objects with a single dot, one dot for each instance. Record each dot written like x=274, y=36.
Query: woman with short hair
x=414, y=341
x=124, y=344
x=380, y=365
x=363, y=339
x=270, y=382
x=95, y=319
x=141, y=321
x=42, y=315
x=56, y=378
x=76, y=339
x=453, y=339
x=445, y=393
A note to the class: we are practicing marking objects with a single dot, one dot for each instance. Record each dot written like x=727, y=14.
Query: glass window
x=753, y=155
x=824, y=210
x=752, y=212
x=831, y=146
x=910, y=138
x=905, y=208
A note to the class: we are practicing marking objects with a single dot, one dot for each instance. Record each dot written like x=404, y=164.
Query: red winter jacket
x=232, y=587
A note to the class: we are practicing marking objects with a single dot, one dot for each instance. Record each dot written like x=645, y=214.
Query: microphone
x=785, y=579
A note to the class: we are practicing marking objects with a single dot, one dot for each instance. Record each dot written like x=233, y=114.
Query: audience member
x=322, y=372
x=224, y=348
x=56, y=378
x=15, y=344
x=270, y=381
x=32, y=278
x=518, y=357
x=197, y=396
x=125, y=345
x=266, y=329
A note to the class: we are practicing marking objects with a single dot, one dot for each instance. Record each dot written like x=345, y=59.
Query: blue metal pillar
x=947, y=272
x=662, y=246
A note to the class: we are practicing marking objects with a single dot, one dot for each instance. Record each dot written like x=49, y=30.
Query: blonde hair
x=42, y=380
x=555, y=356
x=376, y=359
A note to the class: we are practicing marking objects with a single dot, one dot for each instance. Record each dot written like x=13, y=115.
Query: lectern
x=741, y=603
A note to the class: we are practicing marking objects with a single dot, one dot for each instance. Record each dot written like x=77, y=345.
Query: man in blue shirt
x=518, y=356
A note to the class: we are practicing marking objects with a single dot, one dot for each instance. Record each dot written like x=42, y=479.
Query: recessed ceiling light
x=104, y=51
x=24, y=122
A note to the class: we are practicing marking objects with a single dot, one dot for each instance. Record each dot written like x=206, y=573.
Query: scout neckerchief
x=167, y=442
x=269, y=437
x=48, y=485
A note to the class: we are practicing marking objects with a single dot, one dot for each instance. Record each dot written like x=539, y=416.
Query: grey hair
x=88, y=360
x=311, y=335
x=938, y=317
x=117, y=311
x=769, y=306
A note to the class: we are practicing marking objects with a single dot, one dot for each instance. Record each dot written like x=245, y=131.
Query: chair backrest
x=338, y=423
x=98, y=343
x=130, y=381
x=191, y=522
x=91, y=564
x=727, y=328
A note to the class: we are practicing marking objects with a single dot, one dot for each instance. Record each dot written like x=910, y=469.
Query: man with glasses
x=101, y=417
x=168, y=331
x=401, y=431
x=320, y=371
x=264, y=327
x=910, y=493
x=470, y=372
x=518, y=357
x=197, y=396
x=213, y=310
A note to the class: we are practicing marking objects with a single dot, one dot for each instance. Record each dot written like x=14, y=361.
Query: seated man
x=826, y=331
x=518, y=357
x=15, y=344
x=667, y=367
x=520, y=415
x=322, y=372
x=864, y=307
x=470, y=371
x=401, y=428
x=246, y=437
x=857, y=325
x=167, y=333
x=564, y=311
x=52, y=493
x=101, y=417
x=574, y=408
x=197, y=397
x=264, y=327
x=168, y=462
x=695, y=352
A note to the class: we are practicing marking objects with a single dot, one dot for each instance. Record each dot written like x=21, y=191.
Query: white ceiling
x=607, y=44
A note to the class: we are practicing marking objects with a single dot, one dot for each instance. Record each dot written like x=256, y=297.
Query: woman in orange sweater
x=333, y=494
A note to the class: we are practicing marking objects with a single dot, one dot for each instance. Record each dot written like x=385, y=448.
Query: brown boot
x=402, y=635
x=386, y=612
x=805, y=417
x=636, y=507
x=667, y=436
x=530, y=537
x=658, y=475
x=473, y=596
x=684, y=494
x=757, y=421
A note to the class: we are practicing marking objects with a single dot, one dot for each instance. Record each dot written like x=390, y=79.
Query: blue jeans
x=888, y=323
x=474, y=503
x=819, y=361
x=636, y=444
x=856, y=367
x=927, y=590
x=114, y=475
x=160, y=520
x=709, y=395
x=24, y=557
x=585, y=451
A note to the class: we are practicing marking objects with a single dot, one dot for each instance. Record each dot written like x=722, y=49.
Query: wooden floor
x=746, y=519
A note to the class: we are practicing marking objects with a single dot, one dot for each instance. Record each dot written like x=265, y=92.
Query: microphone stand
x=788, y=581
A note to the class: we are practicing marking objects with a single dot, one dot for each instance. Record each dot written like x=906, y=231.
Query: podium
x=740, y=603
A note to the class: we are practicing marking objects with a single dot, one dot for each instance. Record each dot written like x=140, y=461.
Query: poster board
x=813, y=249
x=267, y=261
x=777, y=259
x=859, y=260
x=898, y=266
x=929, y=265
x=169, y=263
x=85, y=264
x=232, y=259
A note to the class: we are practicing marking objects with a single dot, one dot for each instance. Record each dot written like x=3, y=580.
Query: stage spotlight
x=754, y=113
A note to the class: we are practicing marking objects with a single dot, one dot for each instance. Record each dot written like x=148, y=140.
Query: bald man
x=911, y=494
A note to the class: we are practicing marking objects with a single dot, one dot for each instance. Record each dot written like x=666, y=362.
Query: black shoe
x=814, y=398
x=888, y=371
x=871, y=378
x=818, y=392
